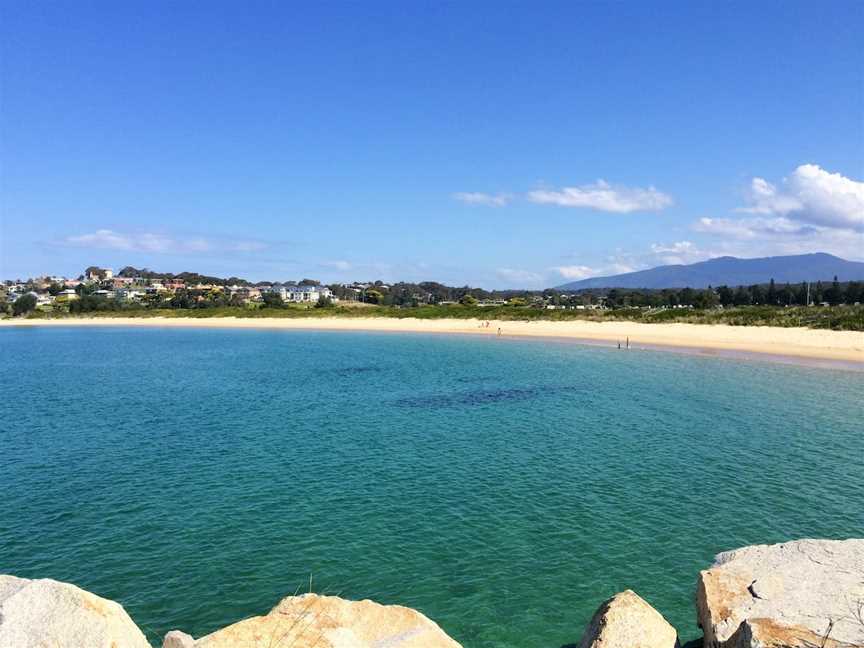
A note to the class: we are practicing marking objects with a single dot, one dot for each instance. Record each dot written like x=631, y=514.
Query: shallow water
x=504, y=488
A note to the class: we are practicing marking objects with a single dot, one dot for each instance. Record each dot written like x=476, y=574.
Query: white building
x=306, y=294
x=98, y=274
x=129, y=294
x=67, y=295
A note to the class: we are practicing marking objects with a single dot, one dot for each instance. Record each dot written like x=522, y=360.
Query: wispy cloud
x=520, y=278
x=576, y=272
x=342, y=266
x=157, y=243
x=753, y=228
x=752, y=237
x=679, y=252
x=477, y=198
x=603, y=196
x=103, y=238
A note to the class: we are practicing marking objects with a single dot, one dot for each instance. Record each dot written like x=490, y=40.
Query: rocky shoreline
x=800, y=594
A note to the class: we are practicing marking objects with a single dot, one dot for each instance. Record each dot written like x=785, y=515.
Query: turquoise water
x=504, y=488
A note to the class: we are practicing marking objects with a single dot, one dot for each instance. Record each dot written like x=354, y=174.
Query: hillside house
x=305, y=294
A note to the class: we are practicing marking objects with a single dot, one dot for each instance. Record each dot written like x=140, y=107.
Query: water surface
x=504, y=488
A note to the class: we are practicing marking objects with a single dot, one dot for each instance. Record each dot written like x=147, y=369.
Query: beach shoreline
x=846, y=347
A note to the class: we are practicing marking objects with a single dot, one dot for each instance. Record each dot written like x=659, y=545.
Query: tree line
x=771, y=294
x=405, y=295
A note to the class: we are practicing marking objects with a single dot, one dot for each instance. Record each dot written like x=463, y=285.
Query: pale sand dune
x=845, y=346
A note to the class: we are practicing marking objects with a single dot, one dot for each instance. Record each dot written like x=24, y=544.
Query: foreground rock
x=45, y=613
x=627, y=621
x=765, y=633
x=326, y=622
x=767, y=596
x=177, y=639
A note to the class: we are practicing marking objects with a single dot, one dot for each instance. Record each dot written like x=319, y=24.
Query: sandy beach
x=813, y=344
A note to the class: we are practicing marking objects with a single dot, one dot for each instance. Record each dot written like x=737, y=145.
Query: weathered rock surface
x=765, y=633
x=313, y=621
x=627, y=621
x=787, y=593
x=45, y=613
x=177, y=639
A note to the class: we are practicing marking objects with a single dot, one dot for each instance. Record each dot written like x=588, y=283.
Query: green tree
x=84, y=289
x=854, y=292
x=834, y=295
x=374, y=296
x=324, y=302
x=89, y=303
x=468, y=300
x=726, y=295
x=801, y=294
x=24, y=304
x=818, y=294
x=757, y=294
x=272, y=300
x=181, y=299
x=688, y=296
x=706, y=299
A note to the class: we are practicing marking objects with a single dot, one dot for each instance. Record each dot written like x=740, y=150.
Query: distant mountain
x=731, y=271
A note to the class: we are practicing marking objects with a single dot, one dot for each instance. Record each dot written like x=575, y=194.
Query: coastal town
x=56, y=292
x=131, y=289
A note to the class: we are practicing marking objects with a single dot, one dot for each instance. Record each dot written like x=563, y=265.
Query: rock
x=331, y=622
x=45, y=613
x=627, y=621
x=784, y=595
x=765, y=633
x=177, y=639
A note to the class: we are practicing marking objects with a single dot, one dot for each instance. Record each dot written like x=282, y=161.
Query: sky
x=496, y=144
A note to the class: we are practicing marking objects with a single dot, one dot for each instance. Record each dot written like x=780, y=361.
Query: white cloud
x=754, y=237
x=102, y=238
x=156, y=243
x=680, y=252
x=576, y=272
x=753, y=228
x=604, y=197
x=810, y=211
x=477, y=198
x=811, y=195
x=766, y=199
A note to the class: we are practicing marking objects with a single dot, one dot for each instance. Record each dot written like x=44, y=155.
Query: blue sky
x=496, y=144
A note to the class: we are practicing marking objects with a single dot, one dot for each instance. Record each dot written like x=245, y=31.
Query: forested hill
x=731, y=271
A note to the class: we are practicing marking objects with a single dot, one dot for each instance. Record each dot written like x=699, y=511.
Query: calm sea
x=504, y=488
